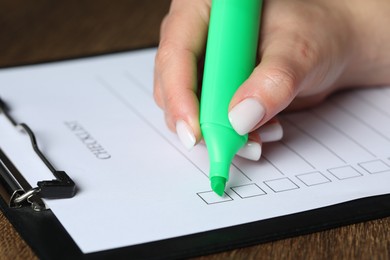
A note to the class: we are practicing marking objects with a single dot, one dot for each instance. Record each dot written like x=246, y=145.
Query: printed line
x=241, y=171
x=113, y=92
x=314, y=138
x=137, y=83
x=373, y=105
x=273, y=165
x=341, y=132
x=297, y=153
x=335, y=103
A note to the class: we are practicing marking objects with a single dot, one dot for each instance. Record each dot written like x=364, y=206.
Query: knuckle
x=308, y=52
x=163, y=55
x=282, y=80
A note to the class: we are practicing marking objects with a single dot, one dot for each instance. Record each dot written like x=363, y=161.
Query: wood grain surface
x=44, y=30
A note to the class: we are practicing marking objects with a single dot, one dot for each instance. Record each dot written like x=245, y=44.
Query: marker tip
x=218, y=185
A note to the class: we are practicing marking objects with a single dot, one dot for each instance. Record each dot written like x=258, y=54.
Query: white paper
x=95, y=118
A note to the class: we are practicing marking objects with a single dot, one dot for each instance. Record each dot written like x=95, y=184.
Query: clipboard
x=45, y=234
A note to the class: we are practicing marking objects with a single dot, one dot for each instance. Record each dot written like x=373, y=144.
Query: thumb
x=271, y=87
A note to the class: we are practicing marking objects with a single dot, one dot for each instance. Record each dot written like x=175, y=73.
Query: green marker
x=230, y=59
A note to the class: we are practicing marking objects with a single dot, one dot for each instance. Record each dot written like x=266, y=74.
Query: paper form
x=95, y=118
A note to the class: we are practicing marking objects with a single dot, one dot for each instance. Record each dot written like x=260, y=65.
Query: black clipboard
x=49, y=240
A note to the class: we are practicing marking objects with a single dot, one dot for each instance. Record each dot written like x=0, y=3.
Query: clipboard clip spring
x=20, y=199
x=19, y=189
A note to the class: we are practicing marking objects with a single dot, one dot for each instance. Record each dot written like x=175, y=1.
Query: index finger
x=182, y=43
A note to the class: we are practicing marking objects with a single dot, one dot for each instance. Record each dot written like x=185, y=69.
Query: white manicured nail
x=185, y=134
x=245, y=115
x=251, y=151
x=271, y=132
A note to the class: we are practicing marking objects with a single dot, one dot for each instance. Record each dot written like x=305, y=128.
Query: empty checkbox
x=283, y=184
x=345, y=172
x=313, y=178
x=376, y=166
x=249, y=190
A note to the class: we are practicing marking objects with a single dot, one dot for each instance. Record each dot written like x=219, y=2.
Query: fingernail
x=185, y=134
x=271, y=132
x=251, y=151
x=245, y=115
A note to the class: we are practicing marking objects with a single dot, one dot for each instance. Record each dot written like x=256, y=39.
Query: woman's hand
x=307, y=50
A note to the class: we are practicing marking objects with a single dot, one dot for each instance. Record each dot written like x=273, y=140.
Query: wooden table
x=35, y=31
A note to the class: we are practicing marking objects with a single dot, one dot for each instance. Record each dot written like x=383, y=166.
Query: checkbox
x=283, y=184
x=376, y=166
x=249, y=190
x=313, y=178
x=210, y=197
x=345, y=172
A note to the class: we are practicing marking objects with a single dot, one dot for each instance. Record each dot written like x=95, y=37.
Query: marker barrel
x=230, y=58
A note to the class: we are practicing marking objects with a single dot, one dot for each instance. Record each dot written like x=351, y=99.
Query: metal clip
x=16, y=190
